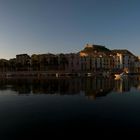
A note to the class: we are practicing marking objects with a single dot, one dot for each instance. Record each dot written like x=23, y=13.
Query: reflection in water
x=91, y=87
x=37, y=115
x=122, y=85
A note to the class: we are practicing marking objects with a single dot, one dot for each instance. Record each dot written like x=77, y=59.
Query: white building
x=124, y=60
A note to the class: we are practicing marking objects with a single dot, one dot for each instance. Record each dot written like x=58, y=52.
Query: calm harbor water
x=33, y=107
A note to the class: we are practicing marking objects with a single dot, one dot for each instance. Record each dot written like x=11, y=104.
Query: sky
x=64, y=26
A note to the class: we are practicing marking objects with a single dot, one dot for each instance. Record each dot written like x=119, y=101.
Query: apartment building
x=23, y=62
x=124, y=59
x=74, y=62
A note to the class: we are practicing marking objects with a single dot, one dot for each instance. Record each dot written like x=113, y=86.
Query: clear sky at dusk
x=42, y=26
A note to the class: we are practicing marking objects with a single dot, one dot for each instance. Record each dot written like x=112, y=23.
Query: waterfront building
x=137, y=65
x=4, y=65
x=12, y=65
x=48, y=62
x=62, y=62
x=44, y=62
x=23, y=62
x=124, y=60
x=74, y=63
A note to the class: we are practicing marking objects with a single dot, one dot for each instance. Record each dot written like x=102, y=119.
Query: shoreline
x=56, y=74
x=44, y=74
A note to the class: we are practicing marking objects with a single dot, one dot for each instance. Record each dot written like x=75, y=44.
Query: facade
x=4, y=65
x=125, y=60
x=12, y=65
x=85, y=63
x=137, y=65
x=74, y=63
x=44, y=62
x=22, y=58
x=23, y=62
x=48, y=62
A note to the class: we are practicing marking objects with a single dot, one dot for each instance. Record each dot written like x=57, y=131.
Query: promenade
x=47, y=74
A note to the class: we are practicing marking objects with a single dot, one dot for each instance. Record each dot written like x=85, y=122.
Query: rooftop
x=94, y=49
x=122, y=51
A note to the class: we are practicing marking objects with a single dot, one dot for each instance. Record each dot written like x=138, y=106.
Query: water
x=35, y=107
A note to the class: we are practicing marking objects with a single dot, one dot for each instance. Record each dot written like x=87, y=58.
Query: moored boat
x=121, y=75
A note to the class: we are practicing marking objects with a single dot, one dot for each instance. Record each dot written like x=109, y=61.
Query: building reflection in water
x=125, y=85
x=122, y=85
x=91, y=87
x=97, y=87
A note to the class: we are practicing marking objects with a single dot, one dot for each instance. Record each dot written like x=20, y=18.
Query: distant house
x=23, y=62
x=73, y=64
x=4, y=65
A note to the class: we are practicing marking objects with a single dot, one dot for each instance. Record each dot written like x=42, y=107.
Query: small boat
x=122, y=75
